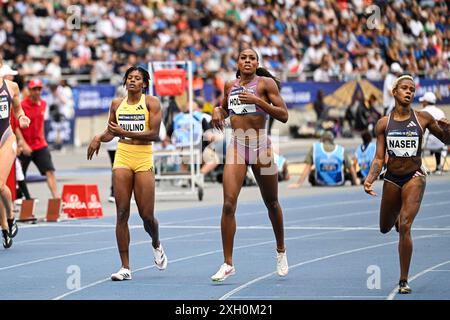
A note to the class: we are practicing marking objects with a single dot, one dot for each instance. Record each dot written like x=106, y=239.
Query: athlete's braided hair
x=260, y=71
x=144, y=73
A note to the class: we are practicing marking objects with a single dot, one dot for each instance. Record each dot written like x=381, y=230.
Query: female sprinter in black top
x=400, y=134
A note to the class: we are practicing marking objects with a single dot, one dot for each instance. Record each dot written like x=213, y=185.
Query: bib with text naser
x=4, y=107
x=402, y=143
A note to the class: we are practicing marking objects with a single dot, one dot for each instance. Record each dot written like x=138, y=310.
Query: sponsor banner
x=299, y=94
x=62, y=132
x=92, y=99
x=170, y=82
x=81, y=201
x=441, y=88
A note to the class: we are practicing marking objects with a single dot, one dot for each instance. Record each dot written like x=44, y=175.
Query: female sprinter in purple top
x=400, y=136
x=249, y=100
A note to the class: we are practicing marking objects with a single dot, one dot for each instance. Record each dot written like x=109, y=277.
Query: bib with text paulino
x=132, y=122
x=133, y=118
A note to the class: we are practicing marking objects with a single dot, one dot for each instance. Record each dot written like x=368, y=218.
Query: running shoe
x=13, y=228
x=7, y=240
x=282, y=264
x=122, y=274
x=403, y=287
x=160, y=257
x=224, y=272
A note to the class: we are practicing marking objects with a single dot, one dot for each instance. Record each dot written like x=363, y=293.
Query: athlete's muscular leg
x=391, y=203
x=412, y=194
x=234, y=174
x=123, y=180
x=7, y=158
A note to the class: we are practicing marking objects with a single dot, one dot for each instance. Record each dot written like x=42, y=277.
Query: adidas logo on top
x=411, y=124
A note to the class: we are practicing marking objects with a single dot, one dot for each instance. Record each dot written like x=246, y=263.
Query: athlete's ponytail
x=263, y=72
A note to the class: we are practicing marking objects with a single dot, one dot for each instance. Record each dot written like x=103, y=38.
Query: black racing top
x=404, y=138
x=5, y=107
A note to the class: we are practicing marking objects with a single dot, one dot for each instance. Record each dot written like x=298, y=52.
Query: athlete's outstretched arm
x=302, y=178
x=105, y=136
x=154, y=107
x=378, y=161
x=439, y=128
x=276, y=108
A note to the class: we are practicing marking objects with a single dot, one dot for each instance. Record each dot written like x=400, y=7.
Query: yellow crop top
x=134, y=117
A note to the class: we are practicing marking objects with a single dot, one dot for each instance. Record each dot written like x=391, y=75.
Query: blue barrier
x=92, y=99
x=96, y=99
x=64, y=131
x=298, y=94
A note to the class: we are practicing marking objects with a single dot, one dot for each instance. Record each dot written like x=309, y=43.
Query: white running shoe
x=160, y=257
x=224, y=272
x=282, y=264
x=122, y=274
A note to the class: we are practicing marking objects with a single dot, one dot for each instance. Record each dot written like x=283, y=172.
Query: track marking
x=394, y=291
x=247, y=284
x=90, y=251
x=188, y=258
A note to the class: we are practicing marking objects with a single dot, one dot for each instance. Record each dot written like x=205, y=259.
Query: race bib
x=236, y=105
x=132, y=122
x=4, y=109
x=328, y=167
x=402, y=146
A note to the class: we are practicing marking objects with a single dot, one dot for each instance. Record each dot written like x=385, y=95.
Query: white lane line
x=304, y=297
x=432, y=218
x=313, y=206
x=90, y=285
x=356, y=213
x=79, y=225
x=60, y=237
x=394, y=291
x=99, y=225
x=260, y=227
x=303, y=228
x=91, y=251
x=337, y=216
x=249, y=283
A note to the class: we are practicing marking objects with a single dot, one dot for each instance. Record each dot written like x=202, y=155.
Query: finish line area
x=334, y=248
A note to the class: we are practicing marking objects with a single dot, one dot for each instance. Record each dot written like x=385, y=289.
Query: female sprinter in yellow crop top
x=136, y=120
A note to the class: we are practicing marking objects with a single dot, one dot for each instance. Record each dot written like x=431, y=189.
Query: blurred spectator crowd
x=296, y=39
